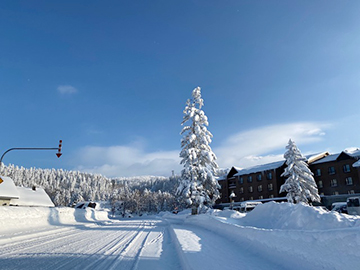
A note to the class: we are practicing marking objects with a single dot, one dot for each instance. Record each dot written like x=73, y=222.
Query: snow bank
x=15, y=218
x=285, y=233
x=297, y=217
x=287, y=216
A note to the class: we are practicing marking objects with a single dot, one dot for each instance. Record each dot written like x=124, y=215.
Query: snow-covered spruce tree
x=300, y=184
x=197, y=183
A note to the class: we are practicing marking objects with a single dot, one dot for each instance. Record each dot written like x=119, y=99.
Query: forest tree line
x=150, y=194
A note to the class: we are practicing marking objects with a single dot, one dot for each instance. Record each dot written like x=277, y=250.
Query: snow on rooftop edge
x=274, y=165
x=260, y=168
x=30, y=197
x=352, y=151
x=7, y=188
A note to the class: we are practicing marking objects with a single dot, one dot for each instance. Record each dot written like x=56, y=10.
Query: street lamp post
x=58, y=154
x=232, y=196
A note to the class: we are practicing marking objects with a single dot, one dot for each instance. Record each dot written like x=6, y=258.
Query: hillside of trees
x=150, y=194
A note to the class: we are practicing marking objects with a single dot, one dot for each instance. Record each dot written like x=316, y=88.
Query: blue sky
x=111, y=78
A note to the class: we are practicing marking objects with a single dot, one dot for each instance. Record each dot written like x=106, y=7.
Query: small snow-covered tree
x=197, y=183
x=300, y=184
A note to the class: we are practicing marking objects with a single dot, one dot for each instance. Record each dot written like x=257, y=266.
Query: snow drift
x=17, y=218
x=289, y=233
x=287, y=216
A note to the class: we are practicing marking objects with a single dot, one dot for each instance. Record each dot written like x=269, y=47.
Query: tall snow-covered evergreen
x=300, y=184
x=198, y=183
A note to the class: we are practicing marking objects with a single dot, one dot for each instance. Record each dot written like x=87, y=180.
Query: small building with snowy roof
x=22, y=196
x=35, y=196
x=8, y=190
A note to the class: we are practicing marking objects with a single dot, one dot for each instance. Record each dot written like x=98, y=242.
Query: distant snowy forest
x=150, y=194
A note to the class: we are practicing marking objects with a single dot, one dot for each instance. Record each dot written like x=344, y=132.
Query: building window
x=332, y=170
x=270, y=187
x=349, y=181
x=261, y=197
x=317, y=172
x=259, y=188
x=346, y=168
x=320, y=184
x=333, y=183
x=241, y=180
x=241, y=190
x=269, y=176
x=251, y=189
x=249, y=179
x=258, y=177
x=351, y=191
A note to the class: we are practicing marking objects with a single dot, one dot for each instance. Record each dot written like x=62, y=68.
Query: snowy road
x=126, y=244
x=272, y=237
x=130, y=244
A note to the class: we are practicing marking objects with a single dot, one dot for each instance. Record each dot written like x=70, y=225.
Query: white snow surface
x=353, y=151
x=7, y=188
x=272, y=236
x=30, y=197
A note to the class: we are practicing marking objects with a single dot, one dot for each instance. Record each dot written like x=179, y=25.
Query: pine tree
x=300, y=184
x=197, y=183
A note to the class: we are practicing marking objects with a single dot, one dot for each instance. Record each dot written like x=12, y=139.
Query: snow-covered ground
x=273, y=236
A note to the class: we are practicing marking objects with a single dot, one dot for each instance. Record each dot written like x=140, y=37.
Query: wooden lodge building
x=337, y=177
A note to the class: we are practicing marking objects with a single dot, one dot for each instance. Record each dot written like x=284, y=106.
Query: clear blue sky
x=111, y=78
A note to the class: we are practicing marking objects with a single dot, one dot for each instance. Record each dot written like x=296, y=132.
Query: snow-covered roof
x=327, y=159
x=316, y=157
x=30, y=197
x=356, y=164
x=7, y=188
x=260, y=168
x=277, y=164
x=353, y=152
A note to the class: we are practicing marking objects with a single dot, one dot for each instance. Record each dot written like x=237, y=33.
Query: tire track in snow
x=114, y=250
x=99, y=257
x=129, y=249
x=95, y=253
x=131, y=244
x=75, y=245
x=29, y=241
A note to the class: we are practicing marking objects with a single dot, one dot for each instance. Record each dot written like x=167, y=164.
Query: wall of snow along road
x=287, y=233
x=15, y=218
